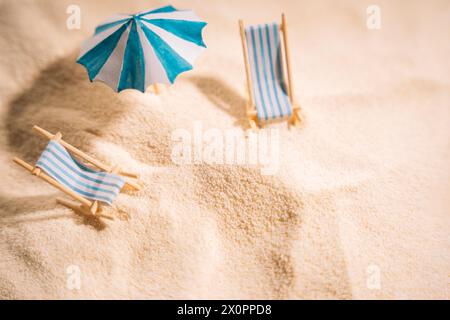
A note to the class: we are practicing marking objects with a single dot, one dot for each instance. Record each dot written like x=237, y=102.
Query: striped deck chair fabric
x=265, y=59
x=87, y=182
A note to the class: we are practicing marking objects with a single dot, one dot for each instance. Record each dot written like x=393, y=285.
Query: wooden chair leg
x=252, y=124
x=79, y=208
x=252, y=117
x=296, y=118
x=95, y=208
x=70, y=204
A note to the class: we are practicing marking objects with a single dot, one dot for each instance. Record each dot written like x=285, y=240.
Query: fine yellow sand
x=361, y=193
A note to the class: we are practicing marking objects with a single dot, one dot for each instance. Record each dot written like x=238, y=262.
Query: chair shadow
x=222, y=96
x=19, y=207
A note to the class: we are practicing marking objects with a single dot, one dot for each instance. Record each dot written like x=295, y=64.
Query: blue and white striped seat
x=89, y=183
x=265, y=59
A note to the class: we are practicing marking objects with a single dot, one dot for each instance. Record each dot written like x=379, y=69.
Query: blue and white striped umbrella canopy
x=136, y=51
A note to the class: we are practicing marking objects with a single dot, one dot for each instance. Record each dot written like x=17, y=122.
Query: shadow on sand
x=223, y=96
x=16, y=211
x=62, y=99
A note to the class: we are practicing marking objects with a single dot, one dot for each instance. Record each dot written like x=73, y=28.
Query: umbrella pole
x=155, y=88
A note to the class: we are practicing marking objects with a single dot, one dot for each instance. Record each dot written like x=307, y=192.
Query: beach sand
x=359, y=205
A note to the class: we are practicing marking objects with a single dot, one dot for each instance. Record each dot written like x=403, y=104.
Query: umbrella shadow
x=61, y=98
x=223, y=96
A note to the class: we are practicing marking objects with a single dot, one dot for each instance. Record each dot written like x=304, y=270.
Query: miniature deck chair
x=88, y=186
x=269, y=98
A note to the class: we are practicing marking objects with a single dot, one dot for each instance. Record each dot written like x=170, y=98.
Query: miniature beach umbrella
x=136, y=51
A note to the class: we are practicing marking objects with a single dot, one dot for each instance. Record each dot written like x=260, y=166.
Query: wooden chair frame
x=252, y=116
x=85, y=206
